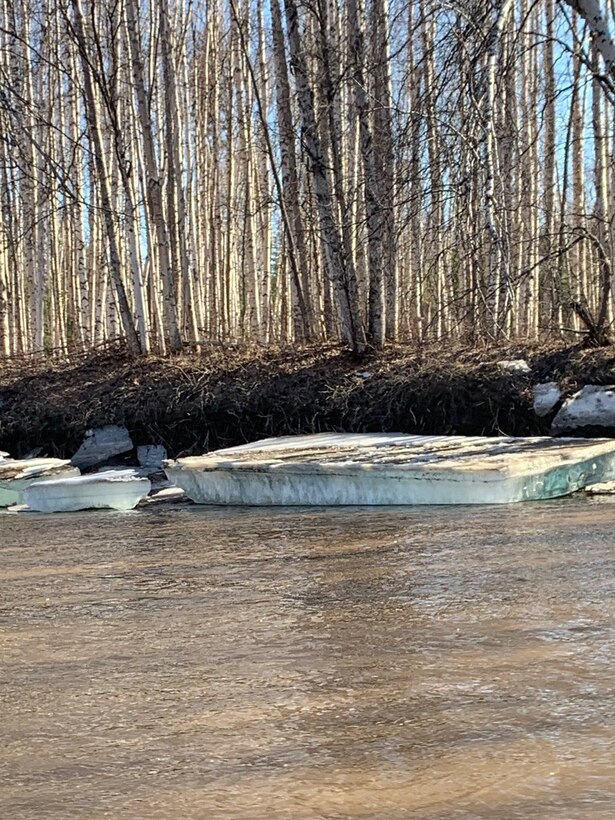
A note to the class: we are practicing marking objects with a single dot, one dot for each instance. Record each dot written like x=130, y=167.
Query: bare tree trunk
x=499, y=276
x=339, y=267
x=303, y=319
x=154, y=183
x=385, y=159
x=91, y=114
x=373, y=208
x=592, y=13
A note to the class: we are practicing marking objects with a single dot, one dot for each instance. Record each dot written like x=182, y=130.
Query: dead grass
x=226, y=395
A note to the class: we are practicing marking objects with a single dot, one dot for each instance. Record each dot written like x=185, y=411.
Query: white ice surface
x=332, y=440
x=592, y=406
x=117, y=490
x=379, y=469
x=17, y=474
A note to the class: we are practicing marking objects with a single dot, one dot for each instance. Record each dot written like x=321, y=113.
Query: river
x=184, y=662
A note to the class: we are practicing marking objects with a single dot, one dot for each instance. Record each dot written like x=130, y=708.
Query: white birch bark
x=337, y=264
x=592, y=12
x=370, y=186
x=303, y=314
x=153, y=180
x=385, y=159
x=91, y=115
x=499, y=274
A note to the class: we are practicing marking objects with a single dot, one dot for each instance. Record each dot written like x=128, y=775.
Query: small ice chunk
x=603, y=488
x=17, y=508
x=515, y=366
x=101, y=444
x=593, y=406
x=114, y=489
x=151, y=455
x=546, y=396
x=168, y=495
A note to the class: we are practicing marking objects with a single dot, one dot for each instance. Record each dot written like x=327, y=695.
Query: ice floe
x=380, y=469
x=113, y=489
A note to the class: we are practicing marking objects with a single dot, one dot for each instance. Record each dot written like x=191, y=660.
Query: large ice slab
x=17, y=474
x=101, y=444
x=116, y=490
x=387, y=468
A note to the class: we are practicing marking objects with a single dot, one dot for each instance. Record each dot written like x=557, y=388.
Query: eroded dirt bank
x=225, y=396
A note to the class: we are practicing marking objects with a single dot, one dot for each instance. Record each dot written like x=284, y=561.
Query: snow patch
x=593, y=406
x=515, y=366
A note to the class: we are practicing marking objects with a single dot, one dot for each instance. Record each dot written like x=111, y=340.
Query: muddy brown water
x=351, y=663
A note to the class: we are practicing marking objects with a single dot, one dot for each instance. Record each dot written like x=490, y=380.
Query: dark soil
x=224, y=396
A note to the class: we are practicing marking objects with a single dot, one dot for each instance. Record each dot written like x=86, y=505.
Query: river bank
x=220, y=397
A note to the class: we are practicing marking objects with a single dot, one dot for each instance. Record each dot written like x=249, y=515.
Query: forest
x=196, y=172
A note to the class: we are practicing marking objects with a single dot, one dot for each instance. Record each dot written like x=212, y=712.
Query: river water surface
x=185, y=662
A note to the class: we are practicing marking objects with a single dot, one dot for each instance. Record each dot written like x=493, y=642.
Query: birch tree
x=362, y=171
